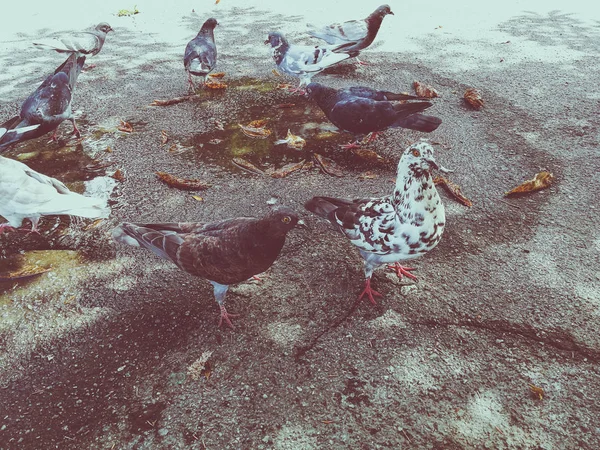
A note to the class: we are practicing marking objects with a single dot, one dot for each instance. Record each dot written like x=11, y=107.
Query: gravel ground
x=97, y=352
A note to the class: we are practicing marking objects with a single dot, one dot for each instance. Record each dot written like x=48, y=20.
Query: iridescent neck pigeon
x=401, y=226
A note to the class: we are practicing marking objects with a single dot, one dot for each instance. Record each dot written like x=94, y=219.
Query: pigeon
x=200, y=55
x=362, y=110
x=224, y=252
x=27, y=194
x=84, y=43
x=302, y=61
x=47, y=107
x=354, y=35
x=401, y=226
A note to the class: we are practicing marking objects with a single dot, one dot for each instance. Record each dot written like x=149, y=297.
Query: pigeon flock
x=387, y=231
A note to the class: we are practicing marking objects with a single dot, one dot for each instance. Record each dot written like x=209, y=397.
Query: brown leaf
x=172, y=101
x=125, y=127
x=217, y=2
x=287, y=169
x=277, y=74
x=94, y=224
x=368, y=155
x=328, y=166
x=198, y=198
x=118, y=175
x=108, y=150
x=215, y=85
x=215, y=141
x=217, y=75
x=247, y=165
x=538, y=391
x=26, y=271
x=199, y=367
x=367, y=175
x=256, y=129
x=473, y=97
x=453, y=189
x=164, y=137
x=182, y=183
x=425, y=91
x=540, y=181
x=97, y=166
x=292, y=141
x=284, y=86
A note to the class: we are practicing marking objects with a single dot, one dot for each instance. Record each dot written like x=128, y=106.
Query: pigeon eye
x=416, y=153
x=286, y=219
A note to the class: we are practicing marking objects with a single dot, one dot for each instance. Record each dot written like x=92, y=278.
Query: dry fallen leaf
x=537, y=391
x=277, y=74
x=284, y=86
x=217, y=2
x=368, y=155
x=247, y=165
x=118, y=175
x=172, y=101
x=108, y=150
x=215, y=141
x=200, y=366
x=473, y=97
x=191, y=184
x=125, y=127
x=198, y=198
x=164, y=137
x=327, y=165
x=425, y=91
x=256, y=129
x=287, y=169
x=26, y=271
x=215, y=85
x=94, y=224
x=217, y=75
x=367, y=175
x=453, y=189
x=292, y=141
x=540, y=181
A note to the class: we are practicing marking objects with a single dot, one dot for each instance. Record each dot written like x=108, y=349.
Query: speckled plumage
x=398, y=227
x=302, y=61
x=224, y=252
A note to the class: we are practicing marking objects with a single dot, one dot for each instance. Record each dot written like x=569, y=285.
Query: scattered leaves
x=164, y=137
x=199, y=367
x=26, y=271
x=368, y=155
x=215, y=141
x=118, y=175
x=287, y=169
x=198, y=198
x=537, y=391
x=97, y=166
x=292, y=141
x=367, y=175
x=172, y=101
x=108, y=150
x=284, y=86
x=425, y=91
x=127, y=12
x=215, y=85
x=247, y=165
x=453, y=189
x=473, y=97
x=217, y=2
x=540, y=181
x=217, y=75
x=177, y=148
x=327, y=165
x=277, y=74
x=256, y=129
x=94, y=224
x=125, y=127
x=189, y=184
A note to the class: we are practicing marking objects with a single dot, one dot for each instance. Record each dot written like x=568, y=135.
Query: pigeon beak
x=432, y=164
x=392, y=13
x=267, y=42
x=301, y=224
x=110, y=29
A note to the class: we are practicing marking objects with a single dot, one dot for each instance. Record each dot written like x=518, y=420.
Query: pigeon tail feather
x=326, y=206
x=418, y=122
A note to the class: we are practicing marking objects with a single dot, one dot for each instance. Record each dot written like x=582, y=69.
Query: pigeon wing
x=342, y=33
x=87, y=43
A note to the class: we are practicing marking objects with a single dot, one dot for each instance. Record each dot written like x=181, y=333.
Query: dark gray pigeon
x=224, y=252
x=302, y=61
x=398, y=227
x=47, y=107
x=353, y=35
x=200, y=56
x=362, y=110
x=85, y=43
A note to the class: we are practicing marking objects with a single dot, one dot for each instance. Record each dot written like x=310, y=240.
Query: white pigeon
x=27, y=194
x=85, y=43
x=398, y=227
x=302, y=61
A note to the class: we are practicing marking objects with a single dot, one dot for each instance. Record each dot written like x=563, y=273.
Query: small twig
x=510, y=204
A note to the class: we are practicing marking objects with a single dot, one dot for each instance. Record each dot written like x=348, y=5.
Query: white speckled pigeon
x=353, y=35
x=85, y=43
x=363, y=110
x=224, y=252
x=47, y=107
x=401, y=226
x=302, y=61
x=27, y=194
x=200, y=56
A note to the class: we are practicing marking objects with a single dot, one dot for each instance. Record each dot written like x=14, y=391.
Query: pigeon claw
x=225, y=317
x=351, y=145
x=402, y=271
x=369, y=292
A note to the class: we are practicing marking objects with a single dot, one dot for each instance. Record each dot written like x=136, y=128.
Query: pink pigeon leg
x=402, y=271
x=369, y=292
x=75, y=129
x=225, y=316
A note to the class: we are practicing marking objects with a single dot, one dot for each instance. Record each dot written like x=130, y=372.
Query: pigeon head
x=104, y=27
x=418, y=158
x=59, y=78
x=276, y=39
x=383, y=11
x=281, y=220
x=313, y=90
x=210, y=24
